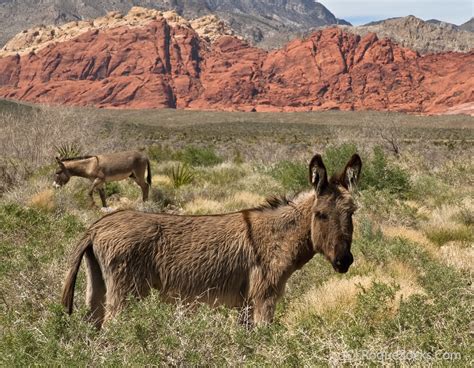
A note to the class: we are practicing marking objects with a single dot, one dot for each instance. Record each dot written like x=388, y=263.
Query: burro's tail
x=70, y=282
x=148, y=179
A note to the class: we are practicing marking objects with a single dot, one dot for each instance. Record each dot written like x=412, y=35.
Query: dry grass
x=43, y=200
x=459, y=256
x=411, y=235
x=203, y=206
x=241, y=200
x=337, y=296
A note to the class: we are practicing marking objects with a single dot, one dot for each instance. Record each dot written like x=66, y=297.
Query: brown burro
x=240, y=260
x=105, y=168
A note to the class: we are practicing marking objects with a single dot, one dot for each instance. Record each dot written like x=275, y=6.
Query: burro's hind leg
x=122, y=286
x=95, y=295
x=143, y=185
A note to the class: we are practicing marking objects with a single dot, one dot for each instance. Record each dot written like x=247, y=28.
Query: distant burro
x=165, y=64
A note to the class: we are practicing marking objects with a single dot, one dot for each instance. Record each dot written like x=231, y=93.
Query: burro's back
x=241, y=259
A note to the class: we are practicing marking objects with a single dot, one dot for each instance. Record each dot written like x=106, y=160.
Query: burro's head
x=62, y=175
x=331, y=220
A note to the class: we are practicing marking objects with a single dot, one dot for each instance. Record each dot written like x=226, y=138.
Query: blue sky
x=364, y=11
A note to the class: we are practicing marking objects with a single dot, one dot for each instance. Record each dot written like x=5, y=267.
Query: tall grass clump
x=198, y=156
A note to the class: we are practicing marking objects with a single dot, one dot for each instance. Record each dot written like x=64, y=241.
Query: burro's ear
x=60, y=163
x=351, y=174
x=317, y=174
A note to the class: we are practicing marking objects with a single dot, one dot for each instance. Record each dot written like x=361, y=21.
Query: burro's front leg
x=264, y=310
x=96, y=183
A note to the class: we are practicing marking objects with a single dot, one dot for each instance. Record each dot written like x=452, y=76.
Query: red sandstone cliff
x=159, y=65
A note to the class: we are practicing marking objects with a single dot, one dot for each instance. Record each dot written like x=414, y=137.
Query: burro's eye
x=321, y=215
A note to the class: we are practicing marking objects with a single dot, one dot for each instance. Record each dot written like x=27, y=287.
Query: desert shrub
x=378, y=173
x=238, y=158
x=181, y=175
x=293, y=176
x=68, y=150
x=111, y=188
x=336, y=157
x=198, y=156
x=429, y=188
x=465, y=216
x=158, y=152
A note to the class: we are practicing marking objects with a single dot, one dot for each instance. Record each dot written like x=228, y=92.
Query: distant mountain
x=265, y=22
x=422, y=36
x=468, y=26
x=152, y=59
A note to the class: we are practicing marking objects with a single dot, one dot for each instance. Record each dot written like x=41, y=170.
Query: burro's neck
x=82, y=168
x=285, y=240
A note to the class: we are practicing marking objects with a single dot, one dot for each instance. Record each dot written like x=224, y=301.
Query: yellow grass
x=456, y=255
x=43, y=200
x=203, y=206
x=338, y=295
x=411, y=235
x=242, y=200
x=161, y=180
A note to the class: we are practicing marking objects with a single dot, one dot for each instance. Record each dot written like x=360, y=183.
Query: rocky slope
x=166, y=64
x=468, y=26
x=424, y=37
x=266, y=22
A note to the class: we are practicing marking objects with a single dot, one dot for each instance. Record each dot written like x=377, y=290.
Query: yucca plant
x=181, y=175
x=68, y=150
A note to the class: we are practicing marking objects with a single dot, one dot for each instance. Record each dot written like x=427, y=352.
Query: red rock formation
x=162, y=66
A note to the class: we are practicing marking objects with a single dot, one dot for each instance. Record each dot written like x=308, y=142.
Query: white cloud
x=453, y=11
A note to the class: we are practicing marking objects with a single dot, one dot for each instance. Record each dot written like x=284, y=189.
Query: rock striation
x=167, y=64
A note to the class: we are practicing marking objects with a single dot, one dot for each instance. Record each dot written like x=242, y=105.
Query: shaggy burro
x=241, y=260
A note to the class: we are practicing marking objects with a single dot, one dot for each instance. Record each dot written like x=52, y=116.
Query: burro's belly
x=117, y=177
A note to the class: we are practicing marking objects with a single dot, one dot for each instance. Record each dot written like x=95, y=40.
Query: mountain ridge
x=262, y=22
x=330, y=69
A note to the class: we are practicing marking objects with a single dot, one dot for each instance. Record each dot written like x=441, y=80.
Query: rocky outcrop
x=262, y=22
x=36, y=38
x=424, y=37
x=165, y=64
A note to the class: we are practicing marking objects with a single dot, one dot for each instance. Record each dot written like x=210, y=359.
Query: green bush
x=336, y=157
x=293, y=176
x=112, y=188
x=197, y=156
x=378, y=173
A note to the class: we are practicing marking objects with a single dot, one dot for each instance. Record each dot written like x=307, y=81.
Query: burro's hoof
x=106, y=209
